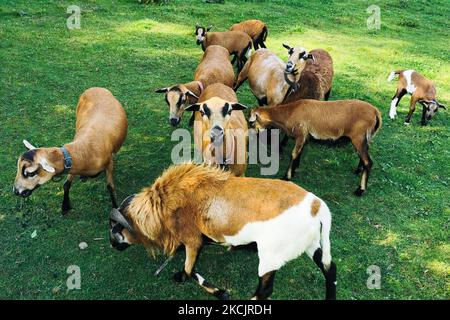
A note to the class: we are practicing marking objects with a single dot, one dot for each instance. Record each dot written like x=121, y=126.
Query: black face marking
x=226, y=110
x=28, y=174
x=206, y=110
x=29, y=155
x=301, y=55
x=291, y=51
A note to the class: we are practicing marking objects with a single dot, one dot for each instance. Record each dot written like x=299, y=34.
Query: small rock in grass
x=83, y=245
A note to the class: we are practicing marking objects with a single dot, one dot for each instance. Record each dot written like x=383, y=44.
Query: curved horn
x=118, y=217
x=292, y=85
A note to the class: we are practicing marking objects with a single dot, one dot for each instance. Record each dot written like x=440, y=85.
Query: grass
x=401, y=224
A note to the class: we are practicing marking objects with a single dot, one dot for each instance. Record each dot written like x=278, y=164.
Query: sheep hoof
x=66, y=207
x=359, y=192
x=406, y=123
x=222, y=294
x=180, y=276
x=357, y=171
x=285, y=178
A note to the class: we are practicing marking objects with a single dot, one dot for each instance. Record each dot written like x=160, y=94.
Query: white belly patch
x=282, y=238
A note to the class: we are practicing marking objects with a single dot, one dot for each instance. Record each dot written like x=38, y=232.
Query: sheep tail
x=325, y=218
x=393, y=74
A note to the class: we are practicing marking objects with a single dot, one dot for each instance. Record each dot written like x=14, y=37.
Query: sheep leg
x=295, y=158
x=424, y=119
x=66, y=206
x=315, y=253
x=110, y=183
x=395, y=101
x=412, y=108
x=360, y=167
x=265, y=286
x=188, y=272
x=362, y=147
x=327, y=95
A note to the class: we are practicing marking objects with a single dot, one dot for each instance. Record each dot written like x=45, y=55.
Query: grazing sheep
x=421, y=90
x=215, y=67
x=101, y=129
x=220, y=128
x=316, y=77
x=256, y=29
x=237, y=43
x=266, y=75
x=324, y=120
x=190, y=201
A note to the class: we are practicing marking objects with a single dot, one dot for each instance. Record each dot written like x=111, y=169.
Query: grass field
x=400, y=225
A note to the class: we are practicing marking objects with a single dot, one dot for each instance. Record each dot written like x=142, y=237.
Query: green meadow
x=400, y=225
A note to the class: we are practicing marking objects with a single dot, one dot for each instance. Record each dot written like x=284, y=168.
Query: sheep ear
x=238, y=106
x=162, y=90
x=46, y=166
x=441, y=106
x=191, y=94
x=28, y=145
x=193, y=107
x=310, y=56
x=287, y=47
x=209, y=28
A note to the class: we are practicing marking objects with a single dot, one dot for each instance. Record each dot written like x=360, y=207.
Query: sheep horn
x=293, y=86
x=118, y=217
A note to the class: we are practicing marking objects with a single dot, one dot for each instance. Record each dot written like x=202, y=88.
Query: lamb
x=220, y=128
x=190, y=201
x=101, y=129
x=324, y=120
x=316, y=77
x=214, y=67
x=421, y=90
x=237, y=43
x=266, y=75
x=256, y=29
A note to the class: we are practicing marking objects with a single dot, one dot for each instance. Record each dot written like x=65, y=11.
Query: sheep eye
x=31, y=174
x=302, y=54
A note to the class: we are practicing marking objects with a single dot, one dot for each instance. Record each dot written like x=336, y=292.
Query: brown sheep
x=316, y=77
x=220, y=128
x=101, y=129
x=190, y=201
x=214, y=67
x=324, y=120
x=266, y=74
x=256, y=29
x=237, y=43
x=421, y=90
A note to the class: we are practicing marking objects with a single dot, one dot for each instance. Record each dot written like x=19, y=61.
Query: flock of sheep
x=193, y=204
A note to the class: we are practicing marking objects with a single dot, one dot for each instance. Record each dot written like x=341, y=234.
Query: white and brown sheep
x=266, y=74
x=421, y=90
x=190, y=201
x=256, y=29
x=220, y=128
x=316, y=78
x=237, y=43
x=324, y=120
x=101, y=129
x=214, y=67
